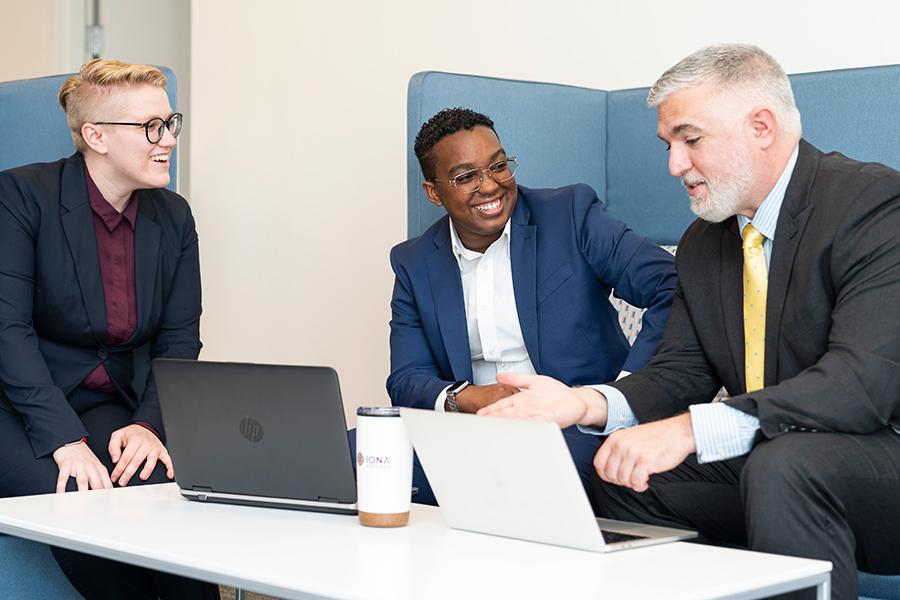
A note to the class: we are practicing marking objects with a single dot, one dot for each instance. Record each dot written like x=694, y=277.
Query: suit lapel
x=78, y=224
x=732, y=302
x=792, y=220
x=449, y=305
x=146, y=258
x=523, y=262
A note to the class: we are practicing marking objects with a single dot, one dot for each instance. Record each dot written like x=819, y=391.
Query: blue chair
x=607, y=139
x=33, y=129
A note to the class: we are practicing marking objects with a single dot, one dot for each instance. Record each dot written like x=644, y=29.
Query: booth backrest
x=564, y=134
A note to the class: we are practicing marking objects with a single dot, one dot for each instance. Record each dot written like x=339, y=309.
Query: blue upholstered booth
x=33, y=129
x=563, y=134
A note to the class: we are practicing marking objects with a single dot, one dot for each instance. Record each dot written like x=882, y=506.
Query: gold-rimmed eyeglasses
x=470, y=181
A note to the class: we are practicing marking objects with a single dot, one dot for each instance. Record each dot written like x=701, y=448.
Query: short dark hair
x=447, y=122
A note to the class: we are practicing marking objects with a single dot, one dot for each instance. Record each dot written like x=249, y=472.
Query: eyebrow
x=470, y=166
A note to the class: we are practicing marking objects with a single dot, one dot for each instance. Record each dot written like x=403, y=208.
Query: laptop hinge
x=202, y=492
x=327, y=499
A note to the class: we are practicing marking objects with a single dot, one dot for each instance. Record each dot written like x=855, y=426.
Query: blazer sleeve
x=638, y=270
x=677, y=376
x=47, y=416
x=854, y=387
x=179, y=331
x=415, y=378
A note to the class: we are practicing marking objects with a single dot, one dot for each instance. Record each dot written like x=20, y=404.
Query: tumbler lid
x=378, y=411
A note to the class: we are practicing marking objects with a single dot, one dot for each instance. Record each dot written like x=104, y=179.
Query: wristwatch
x=452, y=391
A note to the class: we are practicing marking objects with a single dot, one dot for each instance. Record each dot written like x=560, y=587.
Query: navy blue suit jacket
x=566, y=254
x=53, y=327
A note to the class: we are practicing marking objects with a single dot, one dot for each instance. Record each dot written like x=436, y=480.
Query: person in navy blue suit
x=513, y=279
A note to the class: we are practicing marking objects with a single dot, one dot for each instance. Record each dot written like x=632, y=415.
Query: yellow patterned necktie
x=756, y=280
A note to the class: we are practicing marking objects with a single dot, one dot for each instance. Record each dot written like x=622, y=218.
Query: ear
x=764, y=126
x=95, y=138
x=432, y=193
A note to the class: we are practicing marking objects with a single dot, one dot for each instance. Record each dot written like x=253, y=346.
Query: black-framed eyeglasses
x=155, y=127
x=470, y=182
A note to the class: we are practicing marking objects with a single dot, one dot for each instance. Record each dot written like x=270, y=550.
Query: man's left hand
x=132, y=446
x=630, y=456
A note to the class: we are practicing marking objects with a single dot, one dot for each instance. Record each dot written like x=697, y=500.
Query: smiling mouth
x=160, y=158
x=490, y=208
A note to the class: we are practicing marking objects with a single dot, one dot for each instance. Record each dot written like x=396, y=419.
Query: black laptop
x=261, y=435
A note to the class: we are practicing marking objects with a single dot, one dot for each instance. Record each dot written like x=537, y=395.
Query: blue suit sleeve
x=639, y=271
x=415, y=378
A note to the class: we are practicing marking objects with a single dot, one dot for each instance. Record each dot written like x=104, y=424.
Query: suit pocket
x=553, y=282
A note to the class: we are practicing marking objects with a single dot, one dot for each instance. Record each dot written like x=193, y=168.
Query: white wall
x=40, y=37
x=299, y=136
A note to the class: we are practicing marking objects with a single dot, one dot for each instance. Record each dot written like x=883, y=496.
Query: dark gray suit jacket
x=832, y=320
x=53, y=329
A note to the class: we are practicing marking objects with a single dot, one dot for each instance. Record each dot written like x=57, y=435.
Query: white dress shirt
x=496, y=344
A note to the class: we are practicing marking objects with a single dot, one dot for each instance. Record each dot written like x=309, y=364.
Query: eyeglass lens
x=471, y=181
x=155, y=127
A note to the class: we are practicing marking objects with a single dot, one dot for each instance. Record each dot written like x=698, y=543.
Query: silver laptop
x=263, y=435
x=516, y=479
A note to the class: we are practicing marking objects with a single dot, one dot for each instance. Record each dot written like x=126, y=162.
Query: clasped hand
x=129, y=448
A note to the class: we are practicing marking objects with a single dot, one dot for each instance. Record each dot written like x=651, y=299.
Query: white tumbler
x=383, y=467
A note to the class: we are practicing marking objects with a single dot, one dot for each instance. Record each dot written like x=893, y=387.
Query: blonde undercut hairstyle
x=733, y=66
x=80, y=94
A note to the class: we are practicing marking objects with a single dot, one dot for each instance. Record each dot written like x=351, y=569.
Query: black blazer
x=832, y=324
x=52, y=310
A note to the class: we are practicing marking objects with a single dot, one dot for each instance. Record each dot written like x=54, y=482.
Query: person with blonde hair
x=97, y=260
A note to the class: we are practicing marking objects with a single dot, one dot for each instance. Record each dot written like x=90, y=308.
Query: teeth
x=160, y=158
x=488, y=206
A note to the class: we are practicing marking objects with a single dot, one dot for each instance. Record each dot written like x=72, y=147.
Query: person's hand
x=132, y=446
x=475, y=397
x=78, y=461
x=546, y=399
x=630, y=456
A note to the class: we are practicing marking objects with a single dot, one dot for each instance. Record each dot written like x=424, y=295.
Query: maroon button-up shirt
x=115, y=247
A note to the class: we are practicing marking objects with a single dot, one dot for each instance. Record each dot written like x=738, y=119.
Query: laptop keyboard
x=611, y=537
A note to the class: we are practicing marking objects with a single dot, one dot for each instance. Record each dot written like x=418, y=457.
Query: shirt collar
x=461, y=252
x=766, y=218
x=103, y=209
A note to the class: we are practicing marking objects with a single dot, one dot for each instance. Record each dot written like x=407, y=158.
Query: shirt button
x=102, y=353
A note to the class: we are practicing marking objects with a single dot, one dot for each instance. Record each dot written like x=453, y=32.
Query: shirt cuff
x=722, y=431
x=618, y=413
x=442, y=397
x=148, y=427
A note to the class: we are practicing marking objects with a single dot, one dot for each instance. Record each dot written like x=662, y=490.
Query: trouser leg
x=702, y=497
x=582, y=448
x=828, y=496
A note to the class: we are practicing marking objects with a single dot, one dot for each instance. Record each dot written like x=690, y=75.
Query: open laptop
x=262, y=435
x=516, y=479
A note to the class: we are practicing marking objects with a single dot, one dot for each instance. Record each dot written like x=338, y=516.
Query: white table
x=306, y=555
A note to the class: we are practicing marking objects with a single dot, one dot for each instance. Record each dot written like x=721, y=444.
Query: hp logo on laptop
x=251, y=429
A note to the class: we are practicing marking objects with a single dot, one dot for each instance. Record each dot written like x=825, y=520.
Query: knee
x=790, y=465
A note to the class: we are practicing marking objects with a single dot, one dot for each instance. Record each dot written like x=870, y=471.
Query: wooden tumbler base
x=384, y=519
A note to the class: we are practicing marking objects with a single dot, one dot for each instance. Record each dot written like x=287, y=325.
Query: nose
x=488, y=185
x=679, y=162
x=167, y=140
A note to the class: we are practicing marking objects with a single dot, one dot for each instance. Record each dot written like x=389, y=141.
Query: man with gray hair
x=788, y=283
